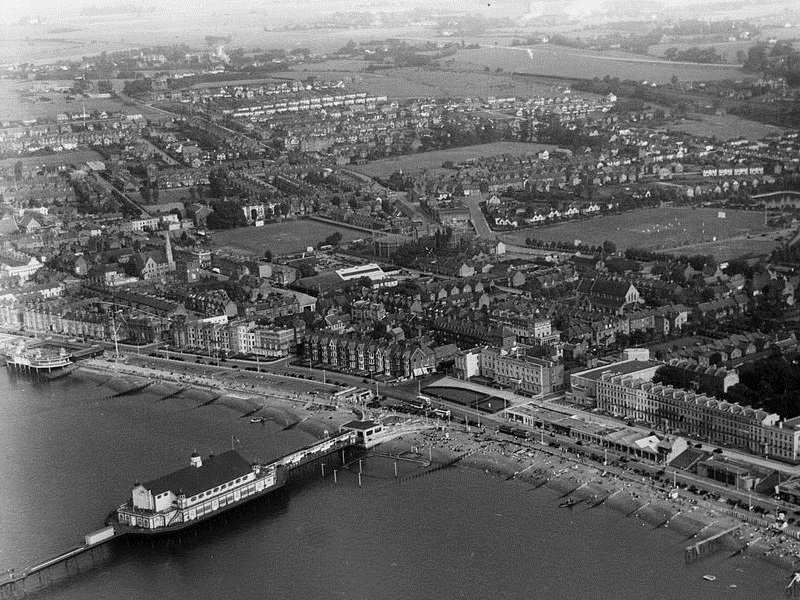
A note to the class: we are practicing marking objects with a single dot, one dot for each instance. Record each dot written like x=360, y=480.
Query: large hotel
x=626, y=390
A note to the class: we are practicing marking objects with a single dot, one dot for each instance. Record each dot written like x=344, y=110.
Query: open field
x=730, y=248
x=75, y=157
x=449, y=80
x=559, y=61
x=434, y=160
x=665, y=228
x=281, y=238
x=14, y=107
x=724, y=127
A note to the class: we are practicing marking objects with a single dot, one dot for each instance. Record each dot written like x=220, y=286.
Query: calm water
x=69, y=457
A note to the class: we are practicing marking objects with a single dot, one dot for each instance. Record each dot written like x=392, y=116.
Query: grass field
x=725, y=127
x=434, y=160
x=559, y=61
x=281, y=238
x=730, y=248
x=691, y=231
x=448, y=80
x=75, y=157
x=13, y=107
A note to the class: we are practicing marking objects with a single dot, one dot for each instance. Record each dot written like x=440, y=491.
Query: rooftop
x=191, y=480
x=360, y=425
x=620, y=368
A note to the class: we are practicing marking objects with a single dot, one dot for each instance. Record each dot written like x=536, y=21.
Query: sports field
x=433, y=160
x=692, y=230
x=281, y=238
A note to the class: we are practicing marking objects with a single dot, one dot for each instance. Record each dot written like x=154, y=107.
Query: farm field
x=433, y=160
x=281, y=238
x=560, y=61
x=724, y=127
x=689, y=230
x=447, y=80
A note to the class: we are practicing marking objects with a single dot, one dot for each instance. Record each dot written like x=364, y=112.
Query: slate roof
x=215, y=471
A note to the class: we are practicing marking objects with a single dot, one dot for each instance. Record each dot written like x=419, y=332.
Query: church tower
x=168, y=252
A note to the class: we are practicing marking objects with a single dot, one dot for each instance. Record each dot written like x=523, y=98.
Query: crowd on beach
x=594, y=484
x=528, y=462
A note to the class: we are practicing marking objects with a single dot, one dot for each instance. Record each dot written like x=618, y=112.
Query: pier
x=793, y=588
x=97, y=549
x=707, y=546
x=100, y=546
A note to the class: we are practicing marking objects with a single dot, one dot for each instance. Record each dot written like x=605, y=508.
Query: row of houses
x=700, y=416
x=395, y=359
x=218, y=335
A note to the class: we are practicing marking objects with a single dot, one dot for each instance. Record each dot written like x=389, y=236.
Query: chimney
x=195, y=460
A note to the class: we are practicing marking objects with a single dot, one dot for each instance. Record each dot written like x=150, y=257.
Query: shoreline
x=528, y=463
x=593, y=486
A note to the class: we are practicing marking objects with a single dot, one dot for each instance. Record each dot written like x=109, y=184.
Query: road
x=114, y=191
x=478, y=219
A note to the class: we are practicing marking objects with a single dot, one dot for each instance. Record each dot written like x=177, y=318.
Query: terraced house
x=699, y=416
x=367, y=356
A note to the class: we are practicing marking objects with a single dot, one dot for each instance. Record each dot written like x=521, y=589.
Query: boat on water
x=198, y=492
x=568, y=503
x=709, y=577
x=258, y=420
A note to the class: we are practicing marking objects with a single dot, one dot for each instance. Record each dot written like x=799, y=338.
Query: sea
x=71, y=452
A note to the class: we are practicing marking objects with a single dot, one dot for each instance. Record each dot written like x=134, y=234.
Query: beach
x=591, y=485
x=581, y=482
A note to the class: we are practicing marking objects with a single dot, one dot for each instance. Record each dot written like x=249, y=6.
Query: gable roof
x=214, y=471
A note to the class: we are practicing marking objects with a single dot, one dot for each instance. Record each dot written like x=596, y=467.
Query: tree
x=268, y=255
x=333, y=239
x=609, y=247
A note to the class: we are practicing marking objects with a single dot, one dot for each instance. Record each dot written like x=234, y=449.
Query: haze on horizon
x=64, y=9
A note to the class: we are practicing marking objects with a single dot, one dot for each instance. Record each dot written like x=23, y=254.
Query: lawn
x=281, y=238
x=433, y=160
x=691, y=230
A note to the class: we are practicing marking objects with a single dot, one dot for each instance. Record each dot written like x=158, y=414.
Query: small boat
x=257, y=420
x=709, y=577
